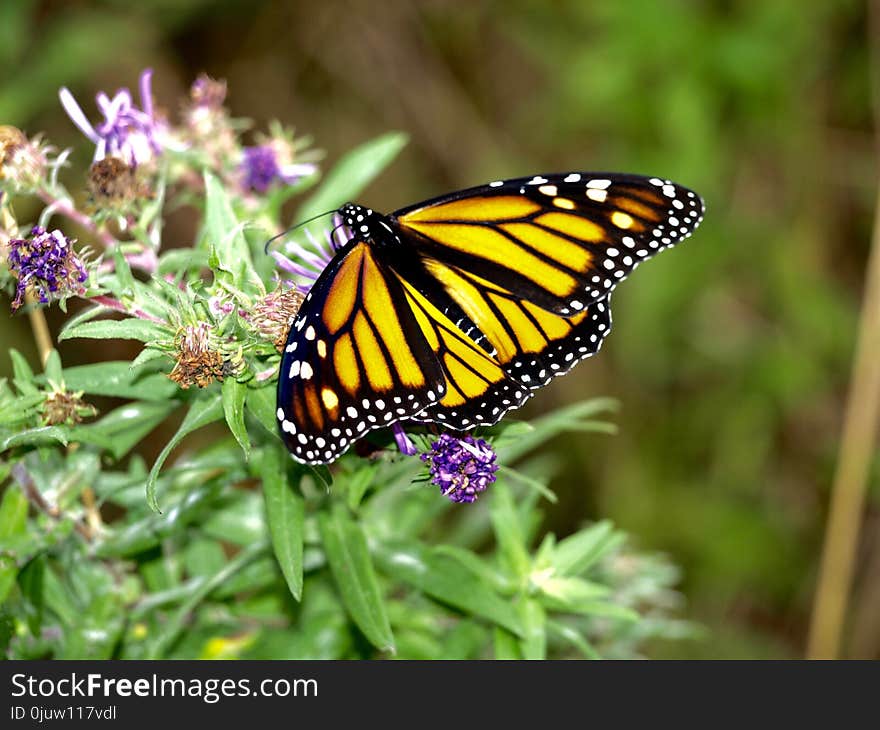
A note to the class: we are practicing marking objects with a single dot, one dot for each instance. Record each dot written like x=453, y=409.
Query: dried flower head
x=114, y=183
x=461, y=467
x=22, y=161
x=46, y=264
x=198, y=361
x=127, y=132
x=274, y=312
x=63, y=408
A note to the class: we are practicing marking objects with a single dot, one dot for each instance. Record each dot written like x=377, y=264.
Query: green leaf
x=576, y=417
x=571, y=594
x=508, y=531
x=118, y=379
x=123, y=428
x=352, y=174
x=446, y=579
x=36, y=437
x=118, y=329
x=559, y=630
x=261, y=404
x=240, y=520
x=22, y=375
x=506, y=645
x=223, y=231
x=203, y=411
x=233, y=394
x=576, y=553
x=52, y=369
x=285, y=513
x=533, y=644
x=346, y=550
x=31, y=582
x=123, y=274
x=13, y=515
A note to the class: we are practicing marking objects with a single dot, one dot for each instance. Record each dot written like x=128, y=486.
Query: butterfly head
x=364, y=223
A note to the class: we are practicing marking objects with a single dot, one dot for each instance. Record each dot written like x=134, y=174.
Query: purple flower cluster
x=462, y=468
x=46, y=262
x=261, y=167
x=127, y=132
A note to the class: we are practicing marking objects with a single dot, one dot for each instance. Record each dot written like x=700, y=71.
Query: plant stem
x=39, y=326
x=856, y=450
x=65, y=208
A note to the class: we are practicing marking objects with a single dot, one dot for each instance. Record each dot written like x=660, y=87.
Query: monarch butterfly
x=456, y=309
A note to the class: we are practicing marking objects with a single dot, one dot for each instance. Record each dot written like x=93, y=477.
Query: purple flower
x=262, y=166
x=126, y=132
x=309, y=261
x=462, y=468
x=404, y=443
x=46, y=262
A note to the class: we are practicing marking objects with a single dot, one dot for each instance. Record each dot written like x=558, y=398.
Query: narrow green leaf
x=223, y=231
x=346, y=550
x=22, y=375
x=13, y=515
x=118, y=329
x=571, y=594
x=576, y=553
x=118, y=379
x=560, y=631
x=352, y=174
x=52, y=369
x=123, y=274
x=203, y=411
x=233, y=394
x=506, y=645
x=508, y=531
x=285, y=513
x=533, y=644
x=123, y=428
x=576, y=417
x=36, y=437
x=261, y=404
x=446, y=579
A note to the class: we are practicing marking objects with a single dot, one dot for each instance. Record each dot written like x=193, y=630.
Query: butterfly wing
x=556, y=241
x=356, y=359
x=478, y=389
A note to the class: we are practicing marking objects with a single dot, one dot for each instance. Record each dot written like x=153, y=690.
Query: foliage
x=220, y=545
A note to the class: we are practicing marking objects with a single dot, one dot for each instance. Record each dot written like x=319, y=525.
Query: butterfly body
x=456, y=309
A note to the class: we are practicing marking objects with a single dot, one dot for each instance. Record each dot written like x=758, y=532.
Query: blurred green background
x=730, y=354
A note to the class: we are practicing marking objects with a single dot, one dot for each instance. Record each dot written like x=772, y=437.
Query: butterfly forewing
x=355, y=360
x=557, y=241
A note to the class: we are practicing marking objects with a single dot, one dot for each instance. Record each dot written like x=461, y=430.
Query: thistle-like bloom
x=273, y=313
x=264, y=165
x=461, y=467
x=198, y=362
x=126, y=132
x=208, y=92
x=46, y=263
x=22, y=161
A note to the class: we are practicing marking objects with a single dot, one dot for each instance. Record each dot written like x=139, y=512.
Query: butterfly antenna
x=293, y=228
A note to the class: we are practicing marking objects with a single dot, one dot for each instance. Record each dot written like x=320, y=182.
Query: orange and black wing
x=356, y=359
x=556, y=241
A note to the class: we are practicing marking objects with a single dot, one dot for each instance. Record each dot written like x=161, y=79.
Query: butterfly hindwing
x=355, y=359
